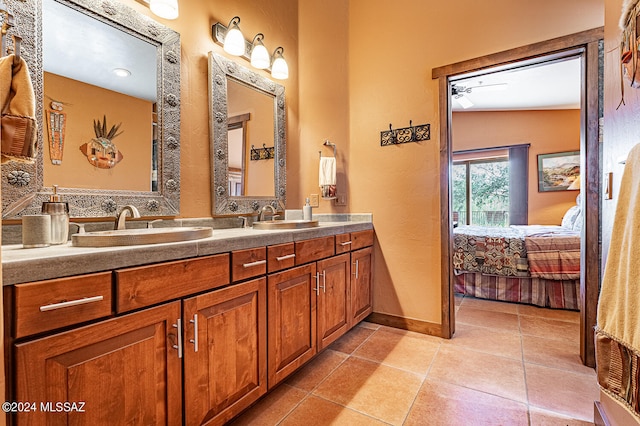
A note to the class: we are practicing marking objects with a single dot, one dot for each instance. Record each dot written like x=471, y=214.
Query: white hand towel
x=327, y=174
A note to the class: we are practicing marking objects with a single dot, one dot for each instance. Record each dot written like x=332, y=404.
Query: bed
x=532, y=264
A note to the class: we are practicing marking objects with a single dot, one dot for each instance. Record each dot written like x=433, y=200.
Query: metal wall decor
x=263, y=153
x=412, y=133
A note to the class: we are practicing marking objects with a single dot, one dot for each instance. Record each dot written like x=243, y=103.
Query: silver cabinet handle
x=346, y=243
x=356, y=272
x=69, y=303
x=194, y=321
x=179, y=345
x=285, y=257
x=317, y=289
x=256, y=263
x=324, y=281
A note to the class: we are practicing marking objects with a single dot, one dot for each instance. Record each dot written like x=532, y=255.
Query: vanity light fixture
x=234, y=43
x=167, y=9
x=253, y=51
x=259, y=55
x=279, y=68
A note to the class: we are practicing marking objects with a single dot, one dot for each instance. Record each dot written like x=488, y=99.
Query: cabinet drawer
x=280, y=257
x=147, y=285
x=47, y=305
x=343, y=243
x=315, y=249
x=361, y=239
x=248, y=263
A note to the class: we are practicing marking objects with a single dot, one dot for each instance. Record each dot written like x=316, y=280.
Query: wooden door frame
x=585, y=45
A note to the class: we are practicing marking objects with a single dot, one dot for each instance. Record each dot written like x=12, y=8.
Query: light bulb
x=234, y=40
x=259, y=55
x=279, y=68
x=167, y=9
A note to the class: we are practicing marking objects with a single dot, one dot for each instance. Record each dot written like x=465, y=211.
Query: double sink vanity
x=188, y=332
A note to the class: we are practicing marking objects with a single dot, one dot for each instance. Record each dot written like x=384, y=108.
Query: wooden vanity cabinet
x=123, y=370
x=225, y=352
x=291, y=323
x=333, y=293
x=361, y=294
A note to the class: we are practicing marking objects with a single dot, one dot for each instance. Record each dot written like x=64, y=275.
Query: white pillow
x=570, y=216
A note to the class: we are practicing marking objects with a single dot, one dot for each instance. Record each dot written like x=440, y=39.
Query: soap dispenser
x=306, y=211
x=59, y=212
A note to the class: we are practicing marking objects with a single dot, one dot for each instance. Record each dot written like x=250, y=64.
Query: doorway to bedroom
x=490, y=130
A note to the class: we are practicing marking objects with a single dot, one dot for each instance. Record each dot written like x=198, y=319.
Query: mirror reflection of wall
x=80, y=58
x=257, y=176
x=236, y=138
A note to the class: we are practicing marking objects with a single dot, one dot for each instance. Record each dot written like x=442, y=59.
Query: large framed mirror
x=248, y=143
x=98, y=65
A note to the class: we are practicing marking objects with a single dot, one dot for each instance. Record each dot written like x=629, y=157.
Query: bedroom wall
x=547, y=131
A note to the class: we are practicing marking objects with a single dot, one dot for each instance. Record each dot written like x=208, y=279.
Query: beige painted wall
x=356, y=66
x=393, y=47
x=546, y=131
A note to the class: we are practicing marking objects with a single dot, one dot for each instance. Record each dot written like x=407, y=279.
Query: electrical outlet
x=314, y=200
x=341, y=200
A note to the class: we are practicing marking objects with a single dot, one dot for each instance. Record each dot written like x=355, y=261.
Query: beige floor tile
x=405, y=351
x=484, y=318
x=490, y=305
x=317, y=370
x=488, y=340
x=444, y=404
x=316, y=411
x=273, y=407
x=564, y=392
x=557, y=314
x=564, y=354
x=488, y=373
x=548, y=418
x=549, y=328
x=377, y=390
x=350, y=341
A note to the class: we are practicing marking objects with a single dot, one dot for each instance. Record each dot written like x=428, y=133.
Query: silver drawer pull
x=69, y=303
x=194, y=321
x=346, y=243
x=256, y=263
x=178, y=327
x=285, y=257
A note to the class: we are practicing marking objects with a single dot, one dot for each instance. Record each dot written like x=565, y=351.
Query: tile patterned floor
x=507, y=364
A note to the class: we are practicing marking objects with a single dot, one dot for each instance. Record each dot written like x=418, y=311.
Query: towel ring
x=328, y=143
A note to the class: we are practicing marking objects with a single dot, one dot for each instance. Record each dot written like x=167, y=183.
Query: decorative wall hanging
x=56, y=122
x=405, y=134
x=101, y=152
x=629, y=61
x=263, y=153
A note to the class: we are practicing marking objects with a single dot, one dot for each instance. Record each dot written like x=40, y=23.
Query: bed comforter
x=549, y=252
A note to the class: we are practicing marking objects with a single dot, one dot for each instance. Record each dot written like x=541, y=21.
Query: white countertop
x=20, y=265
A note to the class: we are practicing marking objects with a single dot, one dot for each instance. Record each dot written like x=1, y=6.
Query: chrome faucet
x=122, y=216
x=270, y=207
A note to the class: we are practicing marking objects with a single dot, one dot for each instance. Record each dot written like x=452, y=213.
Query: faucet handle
x=80, y=226
x=151, y=222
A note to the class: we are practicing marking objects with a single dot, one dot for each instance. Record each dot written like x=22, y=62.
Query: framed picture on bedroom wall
x=559, y=171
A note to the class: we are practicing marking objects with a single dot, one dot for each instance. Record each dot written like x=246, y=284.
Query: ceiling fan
x=458, y=92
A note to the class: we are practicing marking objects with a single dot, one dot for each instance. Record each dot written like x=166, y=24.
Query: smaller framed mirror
x=248, y=144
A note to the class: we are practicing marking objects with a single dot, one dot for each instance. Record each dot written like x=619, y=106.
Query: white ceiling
x=82, y=48
x=553, y=85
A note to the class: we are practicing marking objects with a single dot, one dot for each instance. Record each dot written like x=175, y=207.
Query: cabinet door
x=361, y=301
x=333, y=299
x=291, y=301
x=225, y=359
x=120, y=371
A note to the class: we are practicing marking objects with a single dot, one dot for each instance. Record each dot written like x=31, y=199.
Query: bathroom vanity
x=191, y=332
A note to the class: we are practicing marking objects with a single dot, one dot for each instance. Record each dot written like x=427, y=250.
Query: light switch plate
x=341, y=200
x=314, y=200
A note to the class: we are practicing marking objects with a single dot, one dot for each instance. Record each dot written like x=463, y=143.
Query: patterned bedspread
x=549, y=252
x=490, y=250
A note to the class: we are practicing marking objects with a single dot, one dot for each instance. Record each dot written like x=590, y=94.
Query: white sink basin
x=285, y=224
x=130, y=237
